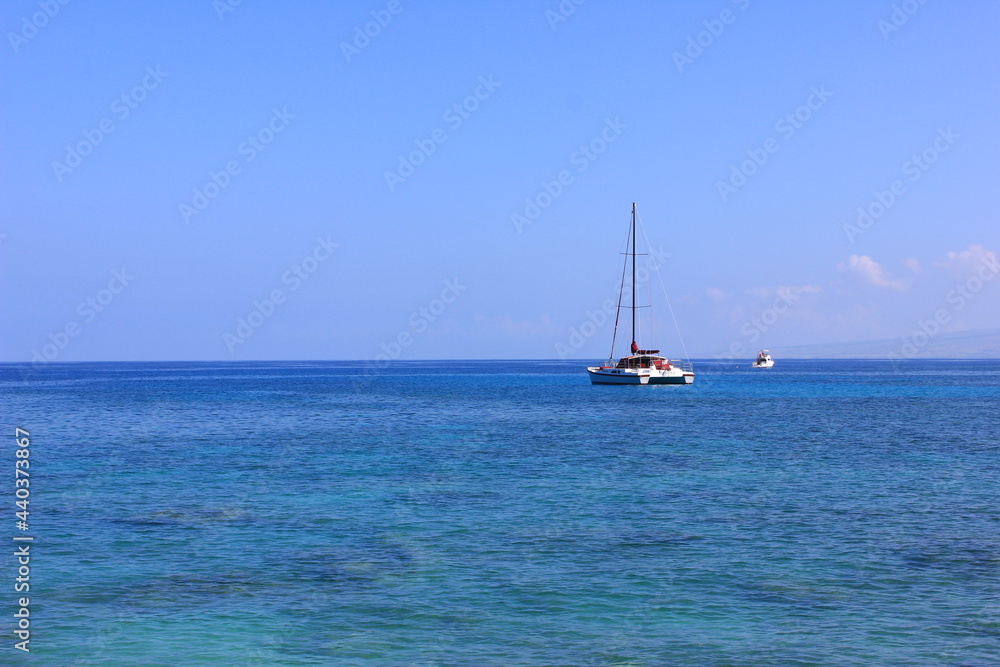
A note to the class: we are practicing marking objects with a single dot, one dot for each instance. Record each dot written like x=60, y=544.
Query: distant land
x=977, y=344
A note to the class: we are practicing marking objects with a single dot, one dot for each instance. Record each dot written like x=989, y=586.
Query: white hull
x=762, y=364
x=603, y=375
x=673, y=376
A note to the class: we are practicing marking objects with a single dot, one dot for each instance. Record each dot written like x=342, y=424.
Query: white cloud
x=913, y=265
x=967, y=261
x=870, y=271
x=715, y=294
x=793, y=292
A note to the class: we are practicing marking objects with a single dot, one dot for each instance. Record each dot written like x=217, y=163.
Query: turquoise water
x=506, y=513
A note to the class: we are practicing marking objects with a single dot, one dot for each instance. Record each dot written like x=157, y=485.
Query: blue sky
x=361, y=194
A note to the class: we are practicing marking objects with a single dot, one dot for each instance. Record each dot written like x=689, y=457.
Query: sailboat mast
x=633, y=271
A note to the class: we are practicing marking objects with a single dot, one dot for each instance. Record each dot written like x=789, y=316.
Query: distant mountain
x=978, y=344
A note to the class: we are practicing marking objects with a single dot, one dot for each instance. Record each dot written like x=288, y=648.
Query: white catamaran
x=641, y=366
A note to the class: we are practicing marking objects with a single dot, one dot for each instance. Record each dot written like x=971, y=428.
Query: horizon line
x=391, y=361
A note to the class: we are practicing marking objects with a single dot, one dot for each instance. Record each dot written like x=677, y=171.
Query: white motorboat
x=764, y=360
x=641, y=366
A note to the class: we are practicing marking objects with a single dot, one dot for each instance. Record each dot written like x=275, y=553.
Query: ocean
x=506, y=513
